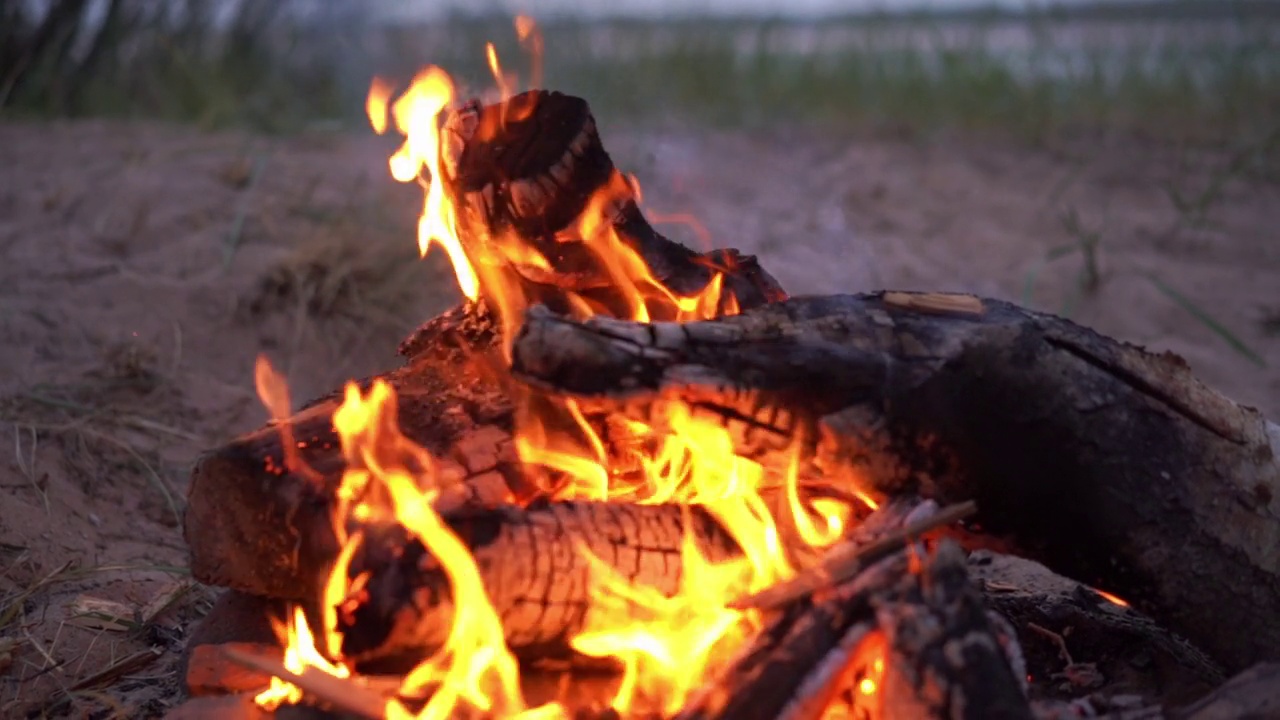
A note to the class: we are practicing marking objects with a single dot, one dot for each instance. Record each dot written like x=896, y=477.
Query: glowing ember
x=1113, y=599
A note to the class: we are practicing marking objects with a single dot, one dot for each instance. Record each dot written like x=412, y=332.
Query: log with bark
x=529, y=167
x=1109, y=464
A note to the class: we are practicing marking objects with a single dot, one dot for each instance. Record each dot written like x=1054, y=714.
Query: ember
x=691, y=482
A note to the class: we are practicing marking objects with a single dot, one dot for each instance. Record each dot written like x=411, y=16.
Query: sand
x=146, y=266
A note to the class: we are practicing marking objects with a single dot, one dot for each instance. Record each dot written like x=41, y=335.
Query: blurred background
x=1174, y=67
x=185, y=184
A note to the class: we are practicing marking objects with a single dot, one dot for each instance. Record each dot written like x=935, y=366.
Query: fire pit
x=628, y=479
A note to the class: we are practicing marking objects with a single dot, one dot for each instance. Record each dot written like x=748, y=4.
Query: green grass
x=1215, y=75
x=919, y=74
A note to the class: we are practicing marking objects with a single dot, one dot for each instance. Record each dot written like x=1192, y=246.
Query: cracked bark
x=532, y=565
x=1109, y=464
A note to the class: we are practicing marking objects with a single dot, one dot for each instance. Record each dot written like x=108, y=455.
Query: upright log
x=1109, y=464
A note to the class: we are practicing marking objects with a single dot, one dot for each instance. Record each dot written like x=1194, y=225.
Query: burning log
x=532, y=565
x=256, y=523
x=1109, y=464
x=527, y=170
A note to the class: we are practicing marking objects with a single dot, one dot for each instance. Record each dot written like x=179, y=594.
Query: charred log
x=527, y=170
x=532, y=565
x=1109, y=464
x=941, y=655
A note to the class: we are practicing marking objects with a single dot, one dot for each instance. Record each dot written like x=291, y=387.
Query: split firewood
x=1108, y=464
x=926, y=630
x=945, y=657
x=848, y=559
x=255, y=524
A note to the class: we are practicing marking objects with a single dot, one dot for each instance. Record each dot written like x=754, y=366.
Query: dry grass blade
x=1207, y=320
x=12, y=605
x=236, y=233
x=110, y=417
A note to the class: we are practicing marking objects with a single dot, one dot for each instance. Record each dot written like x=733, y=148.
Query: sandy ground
x=145, y=267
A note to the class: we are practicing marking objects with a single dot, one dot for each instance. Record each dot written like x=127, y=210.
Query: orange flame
x=531, y=37
x=273, y=391
x=474, y=667
x=417, y=115
x=1111, y=598
x=300, y=653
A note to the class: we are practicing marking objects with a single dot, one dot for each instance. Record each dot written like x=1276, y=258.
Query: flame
x=300, y=653
x=666, y=643
x=273, y=391
x=867, y=668
x=376, y=106
x=531, y=37
x=474, y=667
x=417, y=115
x=855, y=695
x=504, y=83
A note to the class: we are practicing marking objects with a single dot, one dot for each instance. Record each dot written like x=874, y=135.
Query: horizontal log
x=254, y=524
x=531, y=563
x=1109, y=464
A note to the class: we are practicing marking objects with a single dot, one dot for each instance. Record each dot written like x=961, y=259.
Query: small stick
x=340, y=693
x=1057, y=640
x=122, y=667
x=844, y=561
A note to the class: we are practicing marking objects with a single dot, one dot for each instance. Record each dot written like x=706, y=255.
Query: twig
x=340, y=693
x=844, y=562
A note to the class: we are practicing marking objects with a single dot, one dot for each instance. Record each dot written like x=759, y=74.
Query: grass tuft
x=110, y=421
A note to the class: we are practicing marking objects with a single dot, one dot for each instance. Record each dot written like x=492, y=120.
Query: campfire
x=627, y=479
